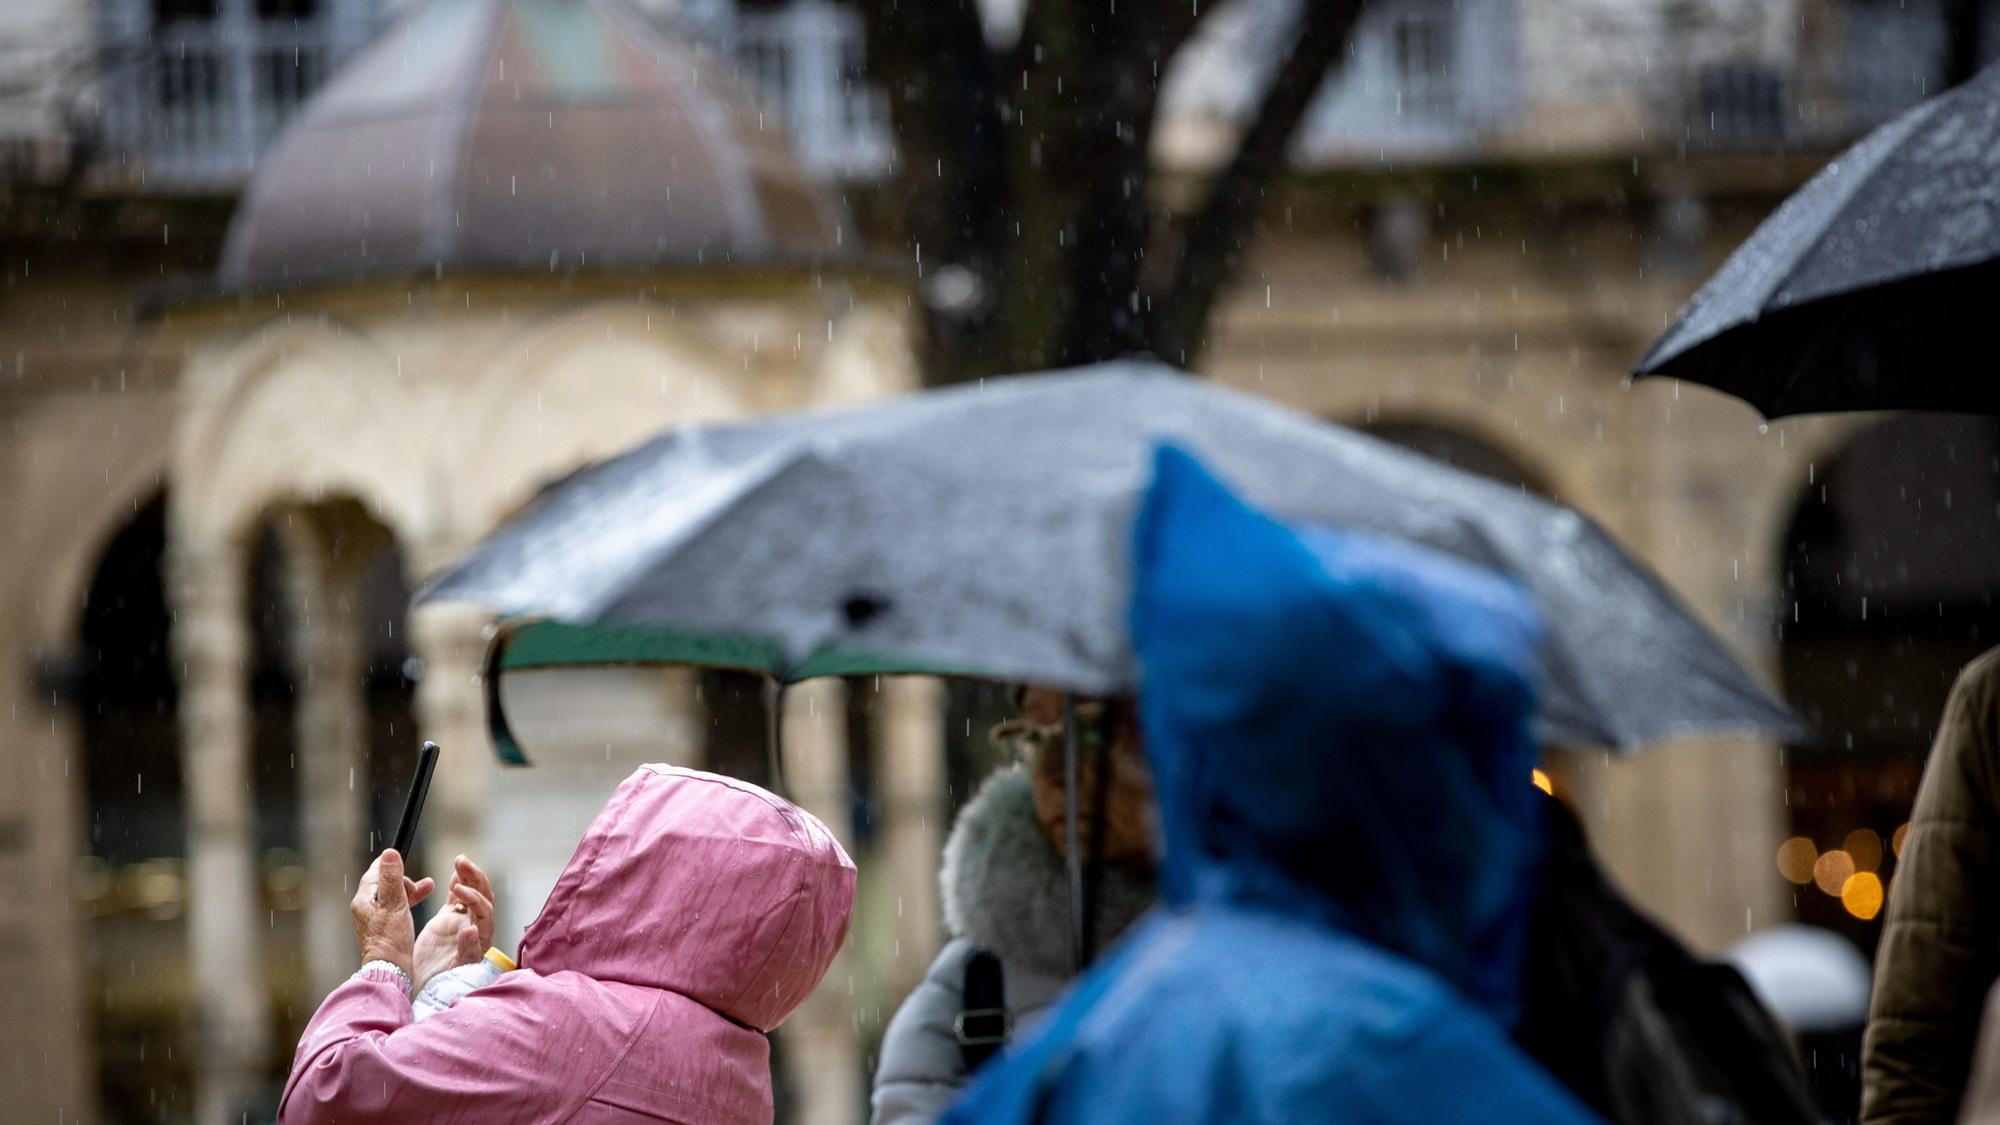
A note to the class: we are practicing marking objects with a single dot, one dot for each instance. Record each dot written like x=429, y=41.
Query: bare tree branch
x=1221, y=229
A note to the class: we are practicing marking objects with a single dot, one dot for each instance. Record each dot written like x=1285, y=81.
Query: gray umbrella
x=1871, y=287
x=982, y=531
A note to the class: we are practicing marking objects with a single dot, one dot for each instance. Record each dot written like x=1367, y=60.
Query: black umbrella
x=982, y=531
x=1872, y=286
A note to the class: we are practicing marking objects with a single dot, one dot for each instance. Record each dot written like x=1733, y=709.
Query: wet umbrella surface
x=1872, y=287
x=983, y=531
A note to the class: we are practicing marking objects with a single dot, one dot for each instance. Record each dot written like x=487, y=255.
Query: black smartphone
x=413, y=807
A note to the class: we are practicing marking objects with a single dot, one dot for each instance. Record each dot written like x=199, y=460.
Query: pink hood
x=701, y=885
x=696, y=914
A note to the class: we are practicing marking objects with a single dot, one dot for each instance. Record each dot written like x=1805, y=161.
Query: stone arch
x=296, y=412
x=69, y=528
x=1464, y=446
x=1770, y=498
x=619, y=371
x=80, y=467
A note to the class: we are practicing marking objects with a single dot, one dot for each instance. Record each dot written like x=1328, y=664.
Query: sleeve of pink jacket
x=364, y=1058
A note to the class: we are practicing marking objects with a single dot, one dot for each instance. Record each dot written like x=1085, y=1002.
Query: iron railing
x=192, y=106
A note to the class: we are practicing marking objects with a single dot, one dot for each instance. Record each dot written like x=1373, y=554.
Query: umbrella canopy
x=984, y=531
x=1862, y=291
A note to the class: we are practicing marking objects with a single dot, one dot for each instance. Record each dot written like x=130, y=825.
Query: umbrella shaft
x=1073, y=846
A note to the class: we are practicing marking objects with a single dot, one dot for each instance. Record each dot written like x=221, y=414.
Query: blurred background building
x=254, y=389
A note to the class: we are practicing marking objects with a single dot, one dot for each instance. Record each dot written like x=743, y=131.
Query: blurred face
x=1107, y=738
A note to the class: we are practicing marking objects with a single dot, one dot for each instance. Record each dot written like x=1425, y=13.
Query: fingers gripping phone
x=413, y=806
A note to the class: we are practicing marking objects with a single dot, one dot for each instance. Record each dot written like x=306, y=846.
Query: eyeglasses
x=1021, y=739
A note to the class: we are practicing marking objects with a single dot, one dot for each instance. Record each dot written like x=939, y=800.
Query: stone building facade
x=1477, y=242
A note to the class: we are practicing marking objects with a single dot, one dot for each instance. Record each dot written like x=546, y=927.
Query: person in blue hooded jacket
x=1338, y=727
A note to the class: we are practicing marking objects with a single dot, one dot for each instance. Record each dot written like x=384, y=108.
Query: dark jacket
x=1940, y=948
x=1337, y=728
x=1635, y=1025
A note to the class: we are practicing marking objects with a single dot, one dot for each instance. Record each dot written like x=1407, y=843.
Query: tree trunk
x=1026, y=180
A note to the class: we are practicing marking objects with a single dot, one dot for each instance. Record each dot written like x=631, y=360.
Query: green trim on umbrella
x=560, y=644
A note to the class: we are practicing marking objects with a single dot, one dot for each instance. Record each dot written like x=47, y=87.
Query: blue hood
x=1338, y=727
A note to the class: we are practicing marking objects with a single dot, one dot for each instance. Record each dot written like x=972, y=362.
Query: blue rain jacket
x=1338, y=731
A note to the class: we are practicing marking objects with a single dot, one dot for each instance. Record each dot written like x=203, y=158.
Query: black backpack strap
x=984, y=1024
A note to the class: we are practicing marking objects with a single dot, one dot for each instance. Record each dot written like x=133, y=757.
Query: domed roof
x=512, y=134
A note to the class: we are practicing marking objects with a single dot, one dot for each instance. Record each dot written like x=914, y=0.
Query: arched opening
x=120, y=681
x=123, y=689
x=1890, y=563
x=1888, y=569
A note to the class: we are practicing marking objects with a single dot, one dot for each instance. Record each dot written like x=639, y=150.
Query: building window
x=1420, y=51
x=1421, y=79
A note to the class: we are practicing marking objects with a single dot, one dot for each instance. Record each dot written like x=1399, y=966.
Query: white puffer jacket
x=1005, y=890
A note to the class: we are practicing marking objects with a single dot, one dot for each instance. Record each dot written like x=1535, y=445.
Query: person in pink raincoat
x=696, y=914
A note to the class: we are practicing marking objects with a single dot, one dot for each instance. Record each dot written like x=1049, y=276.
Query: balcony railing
x=190, y=107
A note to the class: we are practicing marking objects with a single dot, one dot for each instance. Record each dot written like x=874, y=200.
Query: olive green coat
x=1940, y=947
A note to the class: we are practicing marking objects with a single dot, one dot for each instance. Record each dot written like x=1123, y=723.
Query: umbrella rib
x=1811, y=248
x=798, y=458
x=758, y=476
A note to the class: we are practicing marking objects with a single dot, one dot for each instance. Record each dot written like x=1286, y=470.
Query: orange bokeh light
x=1832, y=871
x=1862, y=895
x=1866, y=848
x=1795, y=860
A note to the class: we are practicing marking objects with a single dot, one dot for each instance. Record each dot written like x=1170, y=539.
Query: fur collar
x=1006, y=890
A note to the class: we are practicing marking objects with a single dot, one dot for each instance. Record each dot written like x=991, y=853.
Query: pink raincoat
x=696, y=914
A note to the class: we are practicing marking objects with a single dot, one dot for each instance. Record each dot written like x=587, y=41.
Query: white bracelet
x=391, y=967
